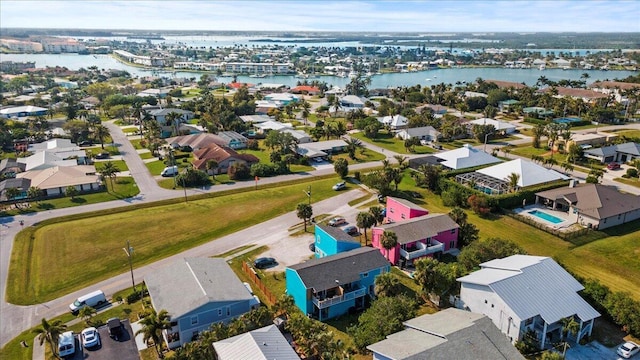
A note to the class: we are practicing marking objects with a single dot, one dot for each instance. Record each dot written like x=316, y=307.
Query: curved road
x=16, y=319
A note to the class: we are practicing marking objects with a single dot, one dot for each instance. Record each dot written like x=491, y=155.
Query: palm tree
x=304, y=211
x=212, y=167
x=100, y=132
x=109, y=170
x=365, y=220
x=50, y=332
x=305, y=110
x=152, y=326
x=389, y=241
x=490, y=112
x=34, y=193
x=376, y=212
x=513, y=180
x=401, y=161
x=458, y=216
x=86, y=313
x=550, y=161
x=353, y=145
x=538, y=132
x=387, y=285
x=172, y=119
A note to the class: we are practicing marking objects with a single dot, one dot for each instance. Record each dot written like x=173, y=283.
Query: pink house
x=419, y=237
x=401, y=210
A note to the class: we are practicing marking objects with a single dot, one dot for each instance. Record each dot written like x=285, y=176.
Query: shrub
x=631, y=172
x=133, y=297
x=192, y=177
x=478, y=204
x=239, y=171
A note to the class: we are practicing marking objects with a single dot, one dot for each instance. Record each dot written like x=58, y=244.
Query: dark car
x=102, y=155
x=115, y=328
x=85, y=143
x=351, y=230
x=264, y=262
x=312, y=247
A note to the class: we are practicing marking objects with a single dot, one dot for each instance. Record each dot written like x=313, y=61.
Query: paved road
x=16, y=319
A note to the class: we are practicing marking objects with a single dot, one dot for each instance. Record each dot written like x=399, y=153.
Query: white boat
x=428, y=79
x=542, y=67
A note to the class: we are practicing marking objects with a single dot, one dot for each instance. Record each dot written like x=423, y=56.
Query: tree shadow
x=45, y=206
x=78, y=200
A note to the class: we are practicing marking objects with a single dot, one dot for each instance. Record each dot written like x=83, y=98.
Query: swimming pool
x=544, y=216
x=567, y=120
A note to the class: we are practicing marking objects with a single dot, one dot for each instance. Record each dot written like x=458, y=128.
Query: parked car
x=85, y=143
x=66, y=344
x=351, y=230
x=169, y=171
x=337, y=221
x=264, y=262
x=94, y=299
x=102, y=155
x=628, y=349
x=90, y=337
x=613, y=166
x=115, y=328
x=340, y=186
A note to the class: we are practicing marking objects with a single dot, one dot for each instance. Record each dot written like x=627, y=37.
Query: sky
x=328, y=15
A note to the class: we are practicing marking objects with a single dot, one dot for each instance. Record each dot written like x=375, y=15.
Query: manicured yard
x=120, y=164
x=387, y=141
x=630, y=181
x=628, y=133
x=136, y=143
x=123, y=187
x=146, y=155
x=87, y=246
x=528, y=151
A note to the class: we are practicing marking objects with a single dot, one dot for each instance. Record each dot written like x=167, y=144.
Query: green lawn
x=528, y=151
x=629, y=181
x=274, y=281
x=130, y=130
x=90, y=247
x=146, y=155
x=136, y=143
x=628, y=133
x=155, y=167
x=389, y=142
x=120, y=164
x=123, y=187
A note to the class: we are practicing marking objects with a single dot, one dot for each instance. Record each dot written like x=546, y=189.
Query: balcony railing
x=321, y=304
x=422, y=250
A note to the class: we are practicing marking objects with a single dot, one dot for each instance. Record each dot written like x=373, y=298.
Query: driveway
x=593, y=350
x=122, y=349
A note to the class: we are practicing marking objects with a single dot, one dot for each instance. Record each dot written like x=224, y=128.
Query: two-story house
x=523, y=293
x=400, y=210
x=196, y=292
x=426, y=235
x=331, y=241
x=330, y=286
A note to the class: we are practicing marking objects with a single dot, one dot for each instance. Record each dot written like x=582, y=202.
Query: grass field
x=90, y=248
x=633, y=182
x=387, y=141
x=120, y=164
x=123, y=187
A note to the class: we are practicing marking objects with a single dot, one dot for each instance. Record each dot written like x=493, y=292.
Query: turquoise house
x=330, y=241
x=333, y=285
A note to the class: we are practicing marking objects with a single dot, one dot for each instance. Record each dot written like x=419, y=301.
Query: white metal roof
x=499, y=125
x=534, y=285
x=465, y=157
x=530, y=173
x=266, y=343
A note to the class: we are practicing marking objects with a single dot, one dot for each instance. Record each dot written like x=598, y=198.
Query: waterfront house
x=593, y=205
x=615, y=88
x=447, y=334
x=333, y=285
x=330, y=240
x=423, y=236
x=523, y=293
x=196, y=292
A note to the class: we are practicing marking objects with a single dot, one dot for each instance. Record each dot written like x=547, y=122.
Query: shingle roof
x=22, y=184
x=533, y=285
x=595, y=200
x=61, y=176
x=321, y=274
x=266, y=343
x=337, y=234
x=421, y=227
x=407, y=203
x=190, y=283
x=448, y=334
x=627, y=148
x=196, y=141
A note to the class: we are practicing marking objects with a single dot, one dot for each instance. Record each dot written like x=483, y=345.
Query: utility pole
x=129, y=251
x=308, y=192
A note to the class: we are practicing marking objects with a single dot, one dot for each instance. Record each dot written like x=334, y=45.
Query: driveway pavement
x=591, y=351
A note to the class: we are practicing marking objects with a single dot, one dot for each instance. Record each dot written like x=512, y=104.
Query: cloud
x=315, y=15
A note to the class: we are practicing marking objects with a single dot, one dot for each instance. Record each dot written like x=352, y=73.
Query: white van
x=169, y=171
x=66, y=344
x=93, y=299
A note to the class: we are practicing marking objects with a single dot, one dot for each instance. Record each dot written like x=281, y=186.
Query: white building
x=523, y=293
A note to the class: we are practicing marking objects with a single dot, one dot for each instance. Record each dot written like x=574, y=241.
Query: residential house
x=266, y=343
x=398, y=209
x=617, y=88
x=196, y=292
x=426, y=133
x=12, y=183
x=537, y=111
x=523, y=293
x=282, y=99
x=300, y=136
x=224, y=156
x=265, y=127
x=423, y=236
x=330, y=286
x=501, y=127
x=160, y=115
x=508, y=84
x=53, y=181
x=394, y=122
x=588, y=96
x=194, y=141
x=321, y=149
x=22, y=111
x=615, y=153
x=447, y=334
x=255, y=119
x=593, y=205
x=9, y=167
x=465, y=157
x=56, y=157
x=232, y=139
x=351, y=102
x=156, y=93
x=305, y=89
x=330, y=240
x=435, y=109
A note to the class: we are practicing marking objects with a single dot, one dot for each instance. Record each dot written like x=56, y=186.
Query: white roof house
x=521, y=293
x=54, y=144
x=465, y=157
x=272, y=125
x=530, y=173
x=321, y=148
x=51, y=158
x=500, y=126
x=395, y=122
x=262, y=344
x=54, y=180
x=300, y=136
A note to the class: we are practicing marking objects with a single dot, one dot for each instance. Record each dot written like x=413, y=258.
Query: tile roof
x=323, y=273
x=421, y=227
x=507, y=84
x=614, y=84
x=533, y=285
x=219, y=154
x=190, y=283
x=595, y=200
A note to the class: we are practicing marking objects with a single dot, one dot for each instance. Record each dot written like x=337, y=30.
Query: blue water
x=545, y=216
x=565, y=120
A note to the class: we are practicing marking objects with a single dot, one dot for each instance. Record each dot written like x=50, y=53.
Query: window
x=391, y=210
x=219, y=312
x=453, y=231
x=365, y=274
x=194, y=320
x=402, y=216
x=528, y=322
x=485, y=301
x=452, y=244
x=228, y=311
